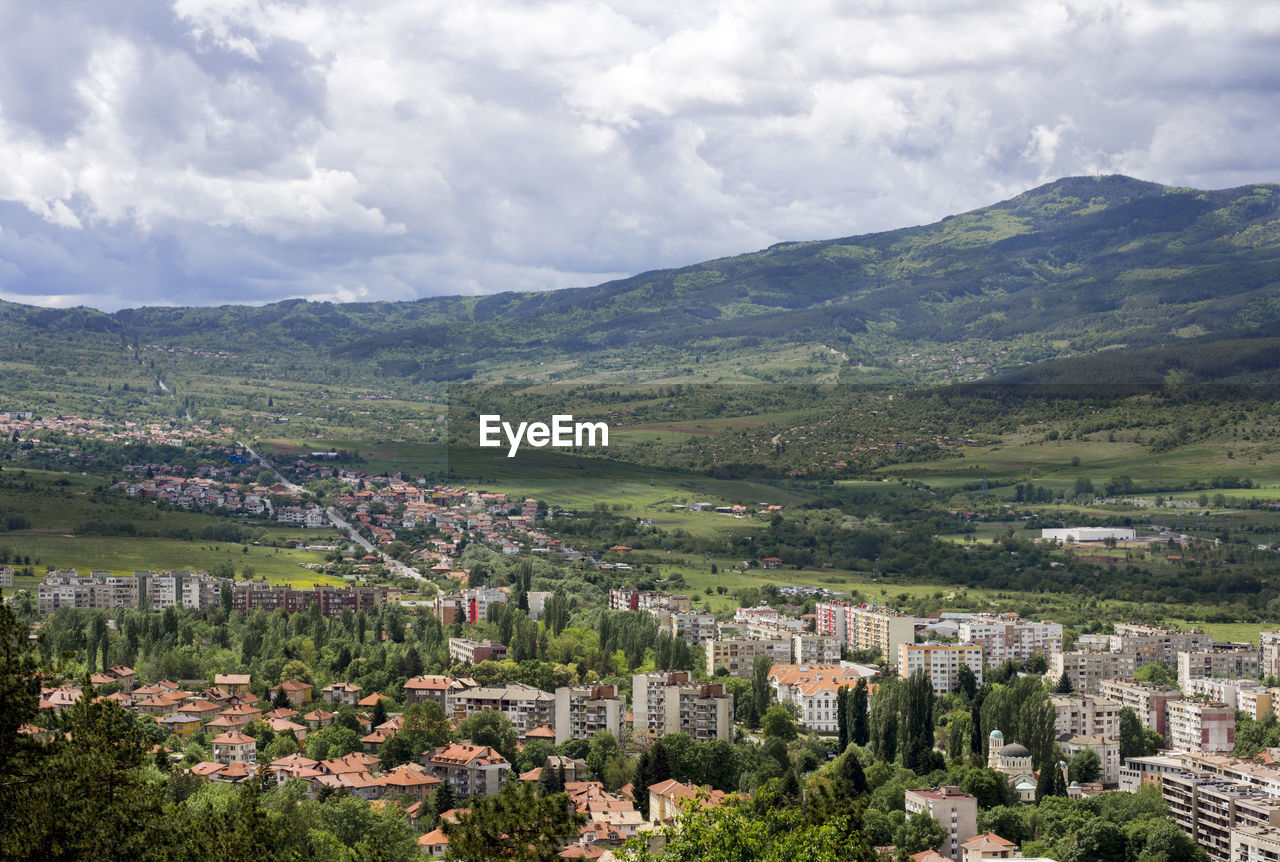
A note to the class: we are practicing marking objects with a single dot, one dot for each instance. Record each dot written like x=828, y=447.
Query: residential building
x=989, y=845
x=1230, y=660
x=1139, y=772
x=582, y=710
x=473, y=651
x=1254, y=844
x=423, y=688
x=668, y=798
x=1198, y=726
x=248, y=596
x=664, y=703
x=233, y=683
x=865, y=627
x=1245, y=694
x=6, y=577
x=1150, y=643
x=1269, y=642
x=1147, y=700
x=1005, y=636
x=298, y=692
x=1209, y=808
x=234, y=747
x=956, y=812
x=1085, y=715
x=941, y=663
x=526, y=706
x=738, y=655
x=1087, y=669
x=695, y=627
x=814, y=648
x=1106, y=747
x=471, y=770
x=341, y=692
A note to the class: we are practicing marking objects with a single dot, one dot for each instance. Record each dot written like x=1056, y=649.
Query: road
x=334, y=518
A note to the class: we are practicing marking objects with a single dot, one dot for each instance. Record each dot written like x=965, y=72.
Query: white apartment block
x=956, y=813
x=583, y=710
x=664, y=703
x=6, y=576
x=694, y=626
x=941, y=663
x=738, y=655
x=1005, y=636
x=866, y=627
x=1197, y=726
x=1223, y=660
x=1087, y=670
x=1085, y=715
x=1233, y=692
x=1270, y=645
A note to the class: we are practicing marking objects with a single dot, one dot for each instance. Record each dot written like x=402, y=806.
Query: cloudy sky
x=214, y=151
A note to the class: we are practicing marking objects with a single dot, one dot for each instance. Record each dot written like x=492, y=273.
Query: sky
x=203, y=152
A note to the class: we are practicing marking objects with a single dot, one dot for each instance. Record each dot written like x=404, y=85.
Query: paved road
x=337, y=521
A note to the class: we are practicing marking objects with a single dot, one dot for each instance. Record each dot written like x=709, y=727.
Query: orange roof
x=207, y=768
x=433, y=838
x=232, y=737
x=544, y=731
x=429, y=683
x=460, y=753
x=988, y=841
x=294, y=685
x=372, y=699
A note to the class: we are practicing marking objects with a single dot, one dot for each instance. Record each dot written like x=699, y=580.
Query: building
x=1269, y=642
x=471, y=770
x=1087, y=669
x=1151, y=643
x=865, y=627
x=341, y=692
x=6, y=577
x=663, y=703
x=234, y=747
x=1148, y=701
x=1139, y=772
x=1106, y=747
x=1012, y=760
x=1208, y=809
x=1085, y=715
x=941, y=663
x=1197, y=726
x=583, y=710
x=473, y=651
x=1005, y=636
x=1234, y=661
x=989, y=845
x=249, y=596
x=695, y=627
x=955, y=811
x=814, y=648
x=627, y=599
x=668, y=798
x=233, y=683
x=1254, y=844
x=423, y=688
x=813, y=689
x=526, y=706
x=738, y=655
x=1087, y=534
x=297, y=691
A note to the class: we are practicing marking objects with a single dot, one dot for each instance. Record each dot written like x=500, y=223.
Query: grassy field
x=125, y=555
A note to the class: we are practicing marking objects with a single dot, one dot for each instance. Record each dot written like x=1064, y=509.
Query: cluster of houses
x=225, y=711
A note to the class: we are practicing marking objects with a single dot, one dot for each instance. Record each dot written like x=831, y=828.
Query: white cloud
x=402, y=148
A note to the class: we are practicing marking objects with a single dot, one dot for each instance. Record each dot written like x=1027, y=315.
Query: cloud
x=208, y=152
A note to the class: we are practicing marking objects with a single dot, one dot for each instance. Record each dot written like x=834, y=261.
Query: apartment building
x=1148, y=701
x=1198, y=726
x=1222, y=660
x=1005, y=636
x=1269, y=643
x=582, y=710
x=627, y=599
x=696, y=627
x=7, y=574
x=474, y=651
x=738, y=655
x=813, y=648
x=1150, y=643
x=66, y=589
x=658, y=699
x=526, y=706
x=1254, y=844
x=1208, y=809
x=1087, y=669
x=1106, y=747
x=865, y=627
x=1243, y=694
x=941, y=662
x=471, y=770
x=333, y=601
x=955, y=811
x=1085, y=715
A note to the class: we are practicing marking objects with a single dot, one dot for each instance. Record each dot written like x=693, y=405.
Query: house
x=317, y=719
x=667, y=798
x=988, y=845
x=232, y=683
x=434, y=843
x=298, y=692
x=234, y=747
x=471, y=770
x=341, y=692
x=411, y=780
x=183, y=725
x=423, y=688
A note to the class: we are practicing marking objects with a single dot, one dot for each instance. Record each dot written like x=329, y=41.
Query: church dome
x=1013, y=749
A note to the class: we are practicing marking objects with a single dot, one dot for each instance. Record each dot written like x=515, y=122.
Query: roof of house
x=459, y=753
x=987, y=841
x=232, y=737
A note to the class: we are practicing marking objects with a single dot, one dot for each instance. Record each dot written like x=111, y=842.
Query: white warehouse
x=1089, y=534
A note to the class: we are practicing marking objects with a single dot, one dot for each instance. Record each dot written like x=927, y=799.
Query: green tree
x=761, y=692
x=492, y=728
x=779, y=723
x=1086, y=766
x=858, y=731
x=518, y=824
x=920, y=832
x=1098, y=841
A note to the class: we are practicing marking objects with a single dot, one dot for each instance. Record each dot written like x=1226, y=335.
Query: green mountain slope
x=1074, y=267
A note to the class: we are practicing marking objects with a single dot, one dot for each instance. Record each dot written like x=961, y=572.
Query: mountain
x=1076, y=268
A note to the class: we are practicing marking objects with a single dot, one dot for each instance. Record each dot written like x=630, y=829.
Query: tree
x=1086, y=766
x=968, y=682
x=779, y=723
x=516, y=824
x=842, y=718
x=1157, y=674
x=991, y=788
x=760, y=690
x=921, y=832
x=1098, y=841
x=858, y=731
x=917, y=720
x=1064, y=685
x=853, y=781
x=492, y=728
x=1135, y=740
